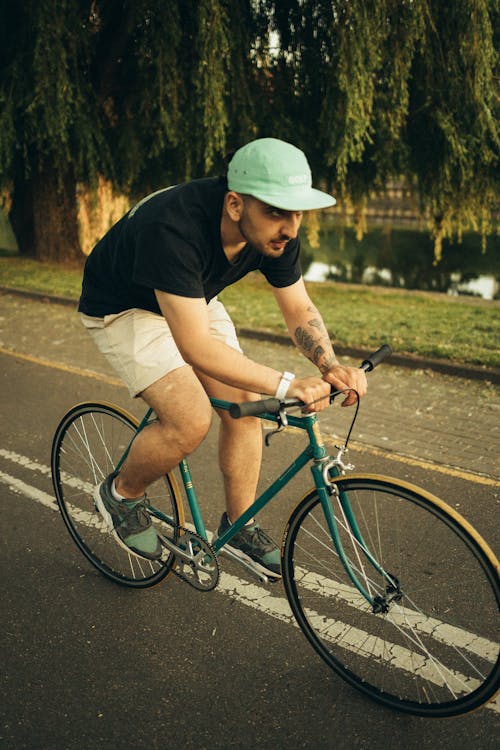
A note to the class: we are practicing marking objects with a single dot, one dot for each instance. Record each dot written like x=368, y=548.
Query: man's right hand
x=313, y=391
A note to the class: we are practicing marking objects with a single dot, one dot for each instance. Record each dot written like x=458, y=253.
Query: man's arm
x=188, y=320
x=310, y=335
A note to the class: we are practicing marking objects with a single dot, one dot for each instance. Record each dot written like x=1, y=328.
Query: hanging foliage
x=148, y=92
x=453, y=135
x=400, y=89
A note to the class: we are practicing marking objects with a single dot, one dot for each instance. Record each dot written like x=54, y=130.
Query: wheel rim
x=88, y=443
x=429, y=654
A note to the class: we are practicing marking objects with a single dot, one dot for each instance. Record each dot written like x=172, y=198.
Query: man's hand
x=342, y=377
x=311, y=390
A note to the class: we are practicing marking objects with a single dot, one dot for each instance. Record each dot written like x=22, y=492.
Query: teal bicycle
x=394, y=589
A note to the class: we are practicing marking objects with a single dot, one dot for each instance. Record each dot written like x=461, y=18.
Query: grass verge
x=463, y=329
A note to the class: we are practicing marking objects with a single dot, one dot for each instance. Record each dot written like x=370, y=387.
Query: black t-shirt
x=171, y=241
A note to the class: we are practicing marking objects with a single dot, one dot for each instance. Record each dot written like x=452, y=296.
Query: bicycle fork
x=327, y=489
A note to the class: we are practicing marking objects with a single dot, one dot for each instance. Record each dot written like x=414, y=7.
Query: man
x=149, y=299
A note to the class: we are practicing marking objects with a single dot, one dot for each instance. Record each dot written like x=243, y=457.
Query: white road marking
x=21, y=488
x=259, y=598
x=477, y=478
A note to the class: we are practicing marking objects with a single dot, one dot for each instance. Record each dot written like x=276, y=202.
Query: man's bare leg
x=240, y=449
x=240, y=456
x=184, y=415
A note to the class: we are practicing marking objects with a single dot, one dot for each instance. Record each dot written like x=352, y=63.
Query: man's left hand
x=342, y=378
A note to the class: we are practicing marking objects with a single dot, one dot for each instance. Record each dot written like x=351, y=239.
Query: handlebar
x=274, y=405
x=376, y=358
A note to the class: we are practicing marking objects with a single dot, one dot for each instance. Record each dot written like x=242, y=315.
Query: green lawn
x=460, y=329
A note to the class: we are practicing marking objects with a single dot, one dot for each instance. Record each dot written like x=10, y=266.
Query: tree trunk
x=44, y=217
x=55, y=217
x=21, y=216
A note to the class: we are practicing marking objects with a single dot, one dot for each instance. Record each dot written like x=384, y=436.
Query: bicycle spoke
x=435, y=650
x=88, y=445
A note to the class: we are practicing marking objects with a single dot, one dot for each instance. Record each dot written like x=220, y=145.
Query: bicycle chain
x=211, y=574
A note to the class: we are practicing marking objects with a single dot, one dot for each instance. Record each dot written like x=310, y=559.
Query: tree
x=452, y=134
x=397, y=88
x=147, y=92
x=48, y=138
x=138, y=91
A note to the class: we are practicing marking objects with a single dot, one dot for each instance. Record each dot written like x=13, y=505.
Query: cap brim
x=304, y=201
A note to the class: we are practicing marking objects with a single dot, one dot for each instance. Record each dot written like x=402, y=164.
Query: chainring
x=202, y=569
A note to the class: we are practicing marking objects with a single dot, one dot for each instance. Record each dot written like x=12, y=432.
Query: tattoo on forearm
x=327, y=363
x=317, y=354
x=317, y=349
x=304, y=339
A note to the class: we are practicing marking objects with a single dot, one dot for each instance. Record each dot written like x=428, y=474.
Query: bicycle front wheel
x=434, y=651
x=88, y=443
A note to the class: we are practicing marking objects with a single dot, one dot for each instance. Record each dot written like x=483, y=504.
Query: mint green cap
x=276, y=173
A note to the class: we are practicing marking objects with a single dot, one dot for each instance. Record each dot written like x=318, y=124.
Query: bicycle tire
x=435, y=652
x=88, y=443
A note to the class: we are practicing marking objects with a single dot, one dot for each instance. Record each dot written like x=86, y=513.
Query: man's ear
x=234, y=204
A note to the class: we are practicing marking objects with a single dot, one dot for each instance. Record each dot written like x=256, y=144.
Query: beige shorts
x=140, y=346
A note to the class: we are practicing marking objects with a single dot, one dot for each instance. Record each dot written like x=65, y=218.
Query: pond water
x=405, y=258
x=390, y=256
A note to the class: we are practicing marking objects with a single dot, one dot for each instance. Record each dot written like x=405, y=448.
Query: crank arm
x=247, y=565
x=178, y=552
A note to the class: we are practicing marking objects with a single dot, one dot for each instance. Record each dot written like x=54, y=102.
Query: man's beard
x=260, y=247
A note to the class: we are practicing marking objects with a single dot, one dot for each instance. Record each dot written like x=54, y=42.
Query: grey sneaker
x=128, y=521
x=252, y=543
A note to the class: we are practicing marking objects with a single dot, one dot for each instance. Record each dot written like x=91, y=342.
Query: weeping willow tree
x=401, y=89
x=147, y=92
x=453, y=134
x=138, y=91
x=181, y=83
x=48, y=134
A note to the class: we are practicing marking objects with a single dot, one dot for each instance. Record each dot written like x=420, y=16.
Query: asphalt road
x=86, y=663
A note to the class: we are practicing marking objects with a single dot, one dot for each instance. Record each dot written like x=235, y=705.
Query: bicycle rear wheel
x=88, y=443
x=435, y=651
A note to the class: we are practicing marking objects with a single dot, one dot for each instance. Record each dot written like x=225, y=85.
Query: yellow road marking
x=448, y=470
x=411, y=461
x=61, y=366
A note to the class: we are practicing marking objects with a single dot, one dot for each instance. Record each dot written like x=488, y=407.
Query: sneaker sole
x=108, y=520
x=258, y=566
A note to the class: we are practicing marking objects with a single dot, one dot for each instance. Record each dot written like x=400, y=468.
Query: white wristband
x=284, y=385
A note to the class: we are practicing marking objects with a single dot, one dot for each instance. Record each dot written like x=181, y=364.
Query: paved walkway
x=450, y=421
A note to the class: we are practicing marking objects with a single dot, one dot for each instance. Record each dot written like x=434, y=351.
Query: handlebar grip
x=273, y=405
x=376, y=358
x=264, y=406
x=255, y=408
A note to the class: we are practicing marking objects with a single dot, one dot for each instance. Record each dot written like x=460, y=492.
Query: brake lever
x=282, y=421
x=334, y=393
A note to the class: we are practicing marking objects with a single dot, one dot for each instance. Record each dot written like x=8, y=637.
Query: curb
x=410, y=361
x=39, y=296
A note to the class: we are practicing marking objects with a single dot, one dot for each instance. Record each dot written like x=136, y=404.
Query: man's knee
x=191, y=433
x=183, y=410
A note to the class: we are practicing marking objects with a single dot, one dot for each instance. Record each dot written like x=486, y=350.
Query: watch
x=284, y=385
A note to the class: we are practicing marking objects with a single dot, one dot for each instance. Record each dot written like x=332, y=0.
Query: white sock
x=122, y=499
x=115, y=493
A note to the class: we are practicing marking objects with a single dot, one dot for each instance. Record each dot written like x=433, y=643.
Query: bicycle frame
x=322, y=465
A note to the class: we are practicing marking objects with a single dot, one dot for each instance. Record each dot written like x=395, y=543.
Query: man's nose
x=291, y=225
